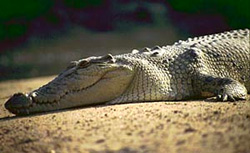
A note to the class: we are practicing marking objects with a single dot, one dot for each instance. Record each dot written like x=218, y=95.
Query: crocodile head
x=92, y=80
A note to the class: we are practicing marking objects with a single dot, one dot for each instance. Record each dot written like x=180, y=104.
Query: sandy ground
x=181, y=127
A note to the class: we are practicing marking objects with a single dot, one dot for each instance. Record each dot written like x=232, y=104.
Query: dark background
x=39, y=37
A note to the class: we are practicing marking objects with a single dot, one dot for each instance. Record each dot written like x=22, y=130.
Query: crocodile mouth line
x=35, y=103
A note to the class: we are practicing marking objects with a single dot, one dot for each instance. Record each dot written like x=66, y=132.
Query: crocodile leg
x=225, y=89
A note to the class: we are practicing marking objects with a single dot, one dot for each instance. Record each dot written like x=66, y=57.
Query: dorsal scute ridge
x=154, y=51
x=207, y=39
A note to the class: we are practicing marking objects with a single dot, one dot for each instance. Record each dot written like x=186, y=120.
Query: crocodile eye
x=83, y=64
x=104, y=59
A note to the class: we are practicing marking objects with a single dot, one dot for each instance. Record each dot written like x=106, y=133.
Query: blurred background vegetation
x=38, y=37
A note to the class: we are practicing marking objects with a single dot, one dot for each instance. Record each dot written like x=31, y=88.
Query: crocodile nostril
x=18, y=100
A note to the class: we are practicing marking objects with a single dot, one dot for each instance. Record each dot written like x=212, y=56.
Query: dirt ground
x=178, y=127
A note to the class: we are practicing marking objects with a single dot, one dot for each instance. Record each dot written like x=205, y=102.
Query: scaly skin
x=213, y=65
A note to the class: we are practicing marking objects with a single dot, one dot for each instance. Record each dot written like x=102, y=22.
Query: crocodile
x=216, y=65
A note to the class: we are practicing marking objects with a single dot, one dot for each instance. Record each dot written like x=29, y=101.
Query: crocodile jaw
x=71, y=90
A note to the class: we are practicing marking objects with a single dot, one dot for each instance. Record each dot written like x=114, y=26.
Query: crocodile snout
x=17, y=101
